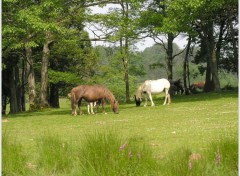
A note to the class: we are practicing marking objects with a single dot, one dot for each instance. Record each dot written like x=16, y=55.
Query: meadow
x=157, y=140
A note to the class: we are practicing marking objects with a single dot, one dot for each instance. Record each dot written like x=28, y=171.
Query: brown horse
x=197, y=85
x=92, y=93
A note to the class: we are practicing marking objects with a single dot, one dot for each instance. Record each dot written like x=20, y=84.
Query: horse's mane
x=139, y=91
x=109, y=95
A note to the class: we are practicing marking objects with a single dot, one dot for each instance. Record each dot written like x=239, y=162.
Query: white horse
x=150, y=87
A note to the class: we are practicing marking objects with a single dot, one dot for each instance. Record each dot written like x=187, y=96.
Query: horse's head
x=137, y=100
x=115, y=107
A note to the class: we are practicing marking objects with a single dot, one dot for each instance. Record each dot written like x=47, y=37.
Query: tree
x=110, y=74
x=67, y=67
x=28, y=26
x=200, y=18
x=153, y=20
x=13, y=55
x=121, y=27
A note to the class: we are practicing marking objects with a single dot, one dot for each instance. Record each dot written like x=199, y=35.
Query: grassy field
x=193, y=122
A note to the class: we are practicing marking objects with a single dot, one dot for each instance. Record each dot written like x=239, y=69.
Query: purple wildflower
x=218, y=157
x=122, y=146
x=190, y=165
x=139, y=155
x=130, y=154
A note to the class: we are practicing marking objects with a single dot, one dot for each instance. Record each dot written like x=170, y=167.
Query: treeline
x=46, y=51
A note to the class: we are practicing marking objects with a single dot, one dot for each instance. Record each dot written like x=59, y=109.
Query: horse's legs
x=91, y=107
x=145, y=99
x=79, y=105
x=150, y=97
x=74, y=109
x=88, y=107
x=97, y=104
x=103, y=106
x=167, y=97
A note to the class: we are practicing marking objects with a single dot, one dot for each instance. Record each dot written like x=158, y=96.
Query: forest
x=47, y=50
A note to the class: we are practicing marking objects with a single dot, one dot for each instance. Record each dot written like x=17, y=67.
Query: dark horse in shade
x=92, y=93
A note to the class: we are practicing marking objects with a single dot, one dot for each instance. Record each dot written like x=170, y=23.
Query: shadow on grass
x=202, y=96
x=45, y=112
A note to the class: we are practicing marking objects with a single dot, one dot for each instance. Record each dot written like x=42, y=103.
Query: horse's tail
x=73, y=98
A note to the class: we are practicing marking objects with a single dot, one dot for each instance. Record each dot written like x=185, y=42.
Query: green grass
x=199, y=123
x=13, y=159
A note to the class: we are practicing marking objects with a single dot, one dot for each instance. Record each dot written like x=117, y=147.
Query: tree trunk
x=127, y=86
x=18, y=88
x=23, y=99
x=234, y=43
x=125, y=48
x=124, y=56
x=185, y=66
x=44, y=76
x=219, y=42
x=188, y=73
x=170, y=56
x=31, y=79
x=208, y=79
x=214, y=71
x=13, y=92
x=212, y=80
x=5, y=89
x=54, y=96
x=4, y=104
x=126, y=70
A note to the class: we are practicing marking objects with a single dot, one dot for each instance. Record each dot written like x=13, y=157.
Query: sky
x=181, y=41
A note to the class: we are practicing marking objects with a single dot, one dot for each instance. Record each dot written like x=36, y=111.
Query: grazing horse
x=197, y=85
x=92, y=93
x=176, y=87
x=155, y=87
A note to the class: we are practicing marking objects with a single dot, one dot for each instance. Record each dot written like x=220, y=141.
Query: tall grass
x=14, y=161
x=55, y=155
x=220, y=158
x=107, y=153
